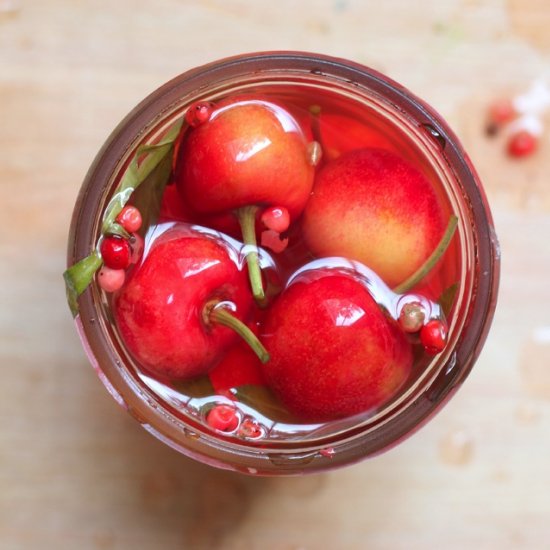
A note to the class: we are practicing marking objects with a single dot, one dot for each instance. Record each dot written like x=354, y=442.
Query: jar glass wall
x=301, y=449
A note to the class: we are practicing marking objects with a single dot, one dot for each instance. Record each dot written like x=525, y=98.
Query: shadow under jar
x=312, y=86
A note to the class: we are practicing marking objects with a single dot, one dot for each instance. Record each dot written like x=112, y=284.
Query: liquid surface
x=340, y=126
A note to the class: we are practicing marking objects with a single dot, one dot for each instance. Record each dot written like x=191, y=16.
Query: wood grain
x=77, y=472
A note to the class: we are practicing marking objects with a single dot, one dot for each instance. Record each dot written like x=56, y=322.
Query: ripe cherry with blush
x=333, y=352
x=184, y=305
x=249, y=155
x=372, y=206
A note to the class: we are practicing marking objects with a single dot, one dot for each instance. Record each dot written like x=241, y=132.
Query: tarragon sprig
x=149, y=160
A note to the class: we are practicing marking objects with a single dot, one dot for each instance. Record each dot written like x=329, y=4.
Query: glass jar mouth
x=406, y=414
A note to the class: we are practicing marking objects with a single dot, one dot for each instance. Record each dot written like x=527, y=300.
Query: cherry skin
x=372, y=206
x=249, y=155
x=167, y=311
x=249, y=152
x=333, y=352
x=239, y=366
x=115, y=252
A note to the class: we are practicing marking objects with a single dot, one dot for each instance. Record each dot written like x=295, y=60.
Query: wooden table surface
x=76, y=472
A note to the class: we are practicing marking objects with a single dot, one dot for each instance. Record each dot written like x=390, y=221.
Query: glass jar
x=478, y=249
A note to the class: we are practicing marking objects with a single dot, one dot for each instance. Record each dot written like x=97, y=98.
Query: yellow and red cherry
x=250, y=155
x=372, y=206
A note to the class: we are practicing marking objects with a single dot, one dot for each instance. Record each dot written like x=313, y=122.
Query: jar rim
x=288, y=460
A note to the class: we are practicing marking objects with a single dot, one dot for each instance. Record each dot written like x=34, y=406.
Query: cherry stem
x=222, y=316
x=434, y=257
x=247, y=220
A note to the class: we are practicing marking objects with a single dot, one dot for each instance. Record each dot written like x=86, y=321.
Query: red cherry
x=251, y=153
x=169, y=311
x=276, y=218
x=522, y=144
x=433, y=336
x=333, y=351
x=198, y=113
x=130, y=218
x=115, y=252
x=223, y=418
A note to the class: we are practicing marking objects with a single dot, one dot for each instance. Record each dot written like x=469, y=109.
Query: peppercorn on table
x=78, y=472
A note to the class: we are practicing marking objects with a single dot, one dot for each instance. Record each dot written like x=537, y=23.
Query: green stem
x=222, y=316
x=247, y=220
x=434, y=257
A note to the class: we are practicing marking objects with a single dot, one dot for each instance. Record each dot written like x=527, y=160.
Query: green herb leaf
x=447, y=299
x=138, y=172
x=147, y=198
x=78, y=277
x=150, y=166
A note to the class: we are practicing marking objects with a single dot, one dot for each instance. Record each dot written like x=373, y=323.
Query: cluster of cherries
x=245, y=167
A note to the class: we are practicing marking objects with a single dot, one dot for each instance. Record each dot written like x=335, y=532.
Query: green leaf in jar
x=149, y=167
x=147, y=198
x=78, y=277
